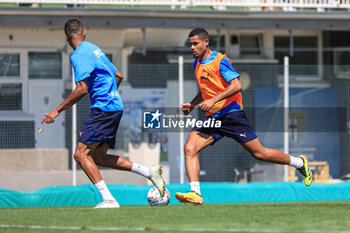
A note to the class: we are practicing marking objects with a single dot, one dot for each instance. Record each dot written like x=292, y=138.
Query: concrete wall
x=32, y=169
x=33, y=160
x=33, y=180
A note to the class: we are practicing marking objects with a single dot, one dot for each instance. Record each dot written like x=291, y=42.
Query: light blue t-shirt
x=226, y=69
x=90, y=62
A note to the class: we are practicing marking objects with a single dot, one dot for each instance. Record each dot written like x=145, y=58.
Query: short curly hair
x=200, y=32
x=73, y=26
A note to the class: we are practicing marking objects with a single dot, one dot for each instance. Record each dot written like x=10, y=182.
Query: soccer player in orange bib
x=220, y=97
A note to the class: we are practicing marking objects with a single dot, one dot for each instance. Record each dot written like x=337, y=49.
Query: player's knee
x=77, y=156
x=80, y=153
x=190, y=149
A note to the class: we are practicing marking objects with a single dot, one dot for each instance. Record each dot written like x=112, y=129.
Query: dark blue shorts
x=100, y=127
x=234, y=125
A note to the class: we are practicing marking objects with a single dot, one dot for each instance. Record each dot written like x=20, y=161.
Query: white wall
x=32, y=37
x=156, y=37
x=113, y=40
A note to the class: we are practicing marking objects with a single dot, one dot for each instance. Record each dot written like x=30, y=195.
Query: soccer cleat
x=304, y=171
x=190, y=197
x=157, y=178
x=107, y=204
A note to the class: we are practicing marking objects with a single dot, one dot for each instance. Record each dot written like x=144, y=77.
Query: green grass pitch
x=313, y=217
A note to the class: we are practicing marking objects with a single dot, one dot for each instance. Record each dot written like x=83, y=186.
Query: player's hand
x=187, y=108
x=206, y=105
x=49, y=117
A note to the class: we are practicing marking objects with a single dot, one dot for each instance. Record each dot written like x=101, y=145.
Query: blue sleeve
x=109, y=64
x=227, y=71
x=83, y=66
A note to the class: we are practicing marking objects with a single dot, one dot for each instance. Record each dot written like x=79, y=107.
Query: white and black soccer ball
x=154, y=198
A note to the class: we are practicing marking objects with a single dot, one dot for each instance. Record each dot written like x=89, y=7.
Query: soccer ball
x=154, y=198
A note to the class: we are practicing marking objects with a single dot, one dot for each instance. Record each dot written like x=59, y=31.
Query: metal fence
x=319, y=118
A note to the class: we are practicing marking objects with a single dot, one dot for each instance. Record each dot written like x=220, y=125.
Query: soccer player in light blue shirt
x=96, y=75
x=88, y=61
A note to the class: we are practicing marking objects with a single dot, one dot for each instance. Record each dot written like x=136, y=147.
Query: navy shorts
x=234, y=125
x=100, y=127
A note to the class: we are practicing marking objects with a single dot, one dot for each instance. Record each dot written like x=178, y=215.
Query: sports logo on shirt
x=205, y=75
x=205, y=78
x=98, y=52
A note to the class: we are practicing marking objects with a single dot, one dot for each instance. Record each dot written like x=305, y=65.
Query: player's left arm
x=232, y=78
x=120, y=77
x=233, y=88
x=79, y=92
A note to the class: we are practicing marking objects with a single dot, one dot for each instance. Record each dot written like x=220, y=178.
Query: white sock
x=141, y=170
x=195, y=187
x=104, y=191
x=296, y=162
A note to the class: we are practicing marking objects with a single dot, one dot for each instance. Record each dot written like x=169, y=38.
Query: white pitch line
x=156, y=229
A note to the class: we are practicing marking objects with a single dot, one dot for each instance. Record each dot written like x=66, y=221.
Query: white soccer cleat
x=107, y=204
x=157, y=178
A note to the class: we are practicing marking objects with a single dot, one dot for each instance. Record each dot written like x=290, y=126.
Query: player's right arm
x=188, y=107
x=83, y=67
x=79, y=92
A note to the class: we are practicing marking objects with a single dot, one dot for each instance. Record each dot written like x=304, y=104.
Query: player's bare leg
x=154, y=173
x=103, y=159
x=83, y=156
x=195, y=143
x=260, y=152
